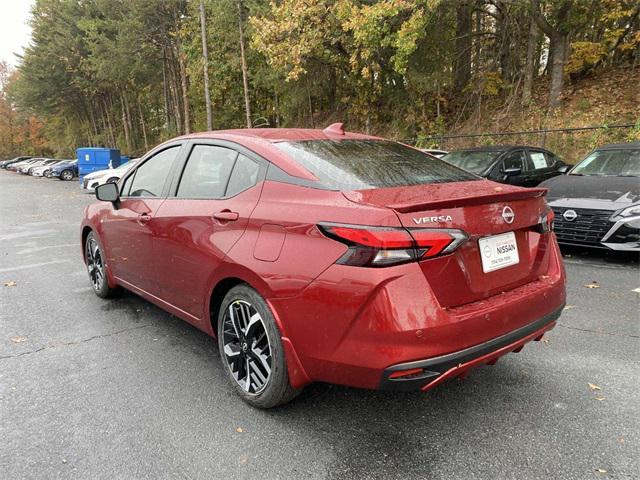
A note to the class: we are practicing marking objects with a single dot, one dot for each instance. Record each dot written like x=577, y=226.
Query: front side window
x=149, y=179
x=540, y=160
x=366, y=164
x=206, y=174
x=624, y=163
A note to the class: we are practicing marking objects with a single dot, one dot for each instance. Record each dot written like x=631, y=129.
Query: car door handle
x=226, y=216
x=143, y=218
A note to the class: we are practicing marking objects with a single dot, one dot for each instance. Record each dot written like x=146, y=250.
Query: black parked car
x=513, y=164
x=597, y=204
x=6, y=163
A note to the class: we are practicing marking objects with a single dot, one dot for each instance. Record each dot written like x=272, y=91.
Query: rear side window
x=244, y=175
x=207, y=172
x=366, y=164
x=476, y=161
x=149, y=178
x=515, y=160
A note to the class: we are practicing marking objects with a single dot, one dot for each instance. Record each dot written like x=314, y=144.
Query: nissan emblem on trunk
x=570, y=215
x=508, y=215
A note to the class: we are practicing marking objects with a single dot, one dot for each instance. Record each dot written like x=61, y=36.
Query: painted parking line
x=32, y=265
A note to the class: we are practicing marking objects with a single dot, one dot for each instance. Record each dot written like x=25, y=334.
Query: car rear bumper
x=428, y=373
x=351, y=326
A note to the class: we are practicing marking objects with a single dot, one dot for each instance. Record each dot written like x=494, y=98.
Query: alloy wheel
x=95, y=264
x=246, y=347
x=67, y=175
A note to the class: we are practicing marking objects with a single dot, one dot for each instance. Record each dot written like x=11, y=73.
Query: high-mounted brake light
x=386, y=246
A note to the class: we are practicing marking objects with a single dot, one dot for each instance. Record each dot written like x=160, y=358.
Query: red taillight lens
x=434, y=242
x=382, y=247
x=546, y=221
x=370, y=237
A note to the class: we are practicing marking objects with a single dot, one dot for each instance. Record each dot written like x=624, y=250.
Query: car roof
x=274, y=135
x=497, y=148
x=619, y=146
x=262, y=141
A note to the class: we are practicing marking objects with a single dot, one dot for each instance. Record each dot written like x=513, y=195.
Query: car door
x=542, y=166
x=129, y=228
x=515, y=159
x=201, y=220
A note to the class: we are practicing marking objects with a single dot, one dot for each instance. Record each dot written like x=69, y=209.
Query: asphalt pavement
x=118, y=389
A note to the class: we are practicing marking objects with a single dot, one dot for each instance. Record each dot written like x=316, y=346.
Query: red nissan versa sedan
x=328, y=256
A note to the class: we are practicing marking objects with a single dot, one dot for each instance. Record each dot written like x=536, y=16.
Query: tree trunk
x=129, y=121
x=144, y=127
x=174, y=91
x=165, y=90
x=478, y=43
x=560, y=50
x=462, y=61
x=185, y=92
x=125, y=125
x=558, y=47
x=530, y=66
x=205, y=60
x=112, y=137
x=245, y=79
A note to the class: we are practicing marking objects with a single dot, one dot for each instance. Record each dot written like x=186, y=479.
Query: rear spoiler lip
x=471, y=200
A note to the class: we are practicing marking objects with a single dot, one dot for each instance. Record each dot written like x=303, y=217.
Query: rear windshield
x=366, y=164
x=473, y=161
x=619, y=163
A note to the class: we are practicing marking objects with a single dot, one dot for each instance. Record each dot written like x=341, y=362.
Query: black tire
x=276, y=390
x=66, y=175
x=94, y=260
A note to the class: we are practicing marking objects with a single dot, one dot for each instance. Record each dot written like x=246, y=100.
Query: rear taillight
x=383, y=247
x=545, y=225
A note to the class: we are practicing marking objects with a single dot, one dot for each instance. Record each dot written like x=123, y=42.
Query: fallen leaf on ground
x=592, y=285
x=10, y=283
x=637, y=290
x=569, y=307
x=601, y=470
x=239, y=430
x=599, y=398
x=593, y=386
x=18, y=339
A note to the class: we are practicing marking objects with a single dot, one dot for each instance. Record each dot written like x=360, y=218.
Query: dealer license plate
x=498, y=251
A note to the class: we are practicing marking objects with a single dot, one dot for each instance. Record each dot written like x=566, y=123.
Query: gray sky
x=14, y=31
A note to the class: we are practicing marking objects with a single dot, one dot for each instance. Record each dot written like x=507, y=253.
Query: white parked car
x=27, y=167
x=39, y=170
x=110, y=175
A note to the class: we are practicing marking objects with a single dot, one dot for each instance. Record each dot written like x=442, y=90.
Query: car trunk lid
x=475, y=207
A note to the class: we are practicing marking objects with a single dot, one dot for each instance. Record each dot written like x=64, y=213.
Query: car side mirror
x=563, y=169
x=512, y=172
x=108, y=192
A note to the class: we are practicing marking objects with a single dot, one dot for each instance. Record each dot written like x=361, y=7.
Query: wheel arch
x=297, y=374
x=86, y=230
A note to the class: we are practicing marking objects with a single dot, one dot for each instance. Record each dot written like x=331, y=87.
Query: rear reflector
x=386, y=246
x=406, y=373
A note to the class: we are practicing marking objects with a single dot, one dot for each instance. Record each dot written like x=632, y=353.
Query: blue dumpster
x=91, y=159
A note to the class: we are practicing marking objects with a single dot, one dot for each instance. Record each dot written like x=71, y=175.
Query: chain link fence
x=571, y=144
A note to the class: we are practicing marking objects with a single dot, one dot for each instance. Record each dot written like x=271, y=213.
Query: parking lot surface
x=93, y=388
